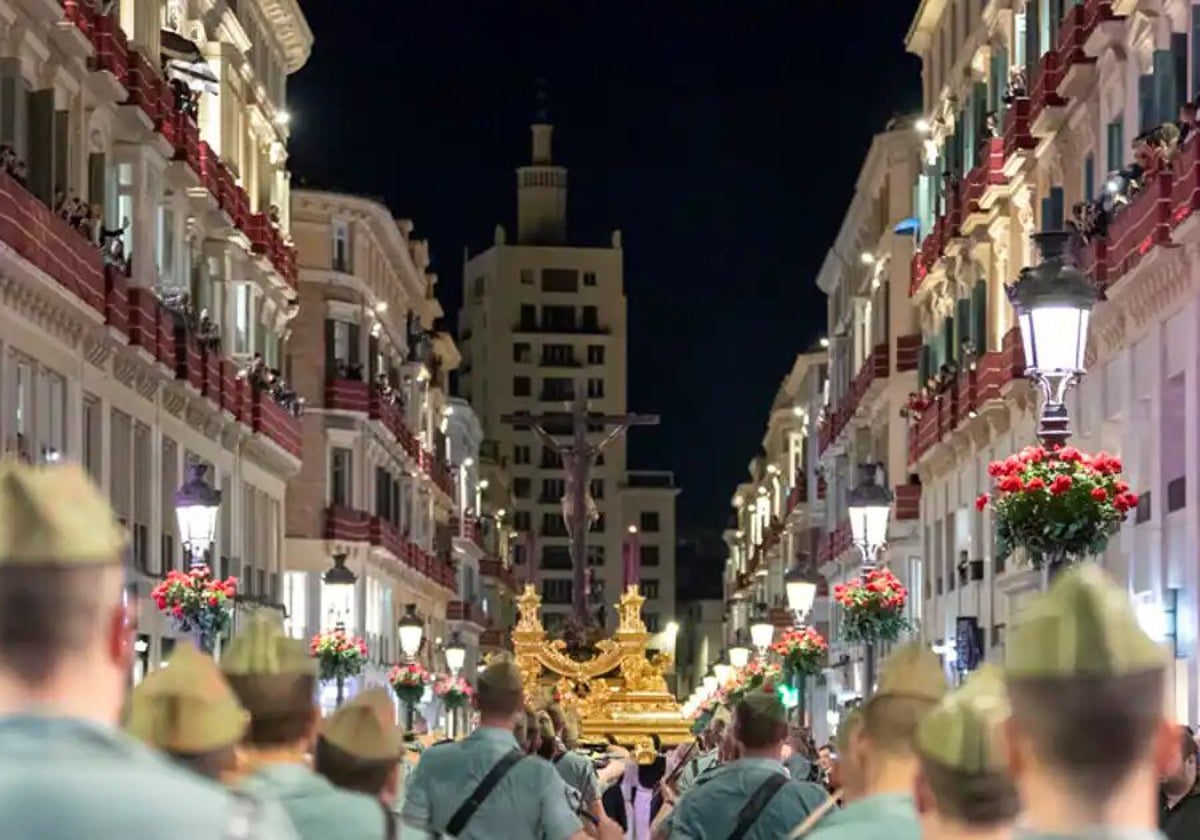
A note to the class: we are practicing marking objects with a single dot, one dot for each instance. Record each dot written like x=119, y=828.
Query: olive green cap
x=366, y=727
x=54, y=515
x=850, y=721
x=502, y=676
x=270, y=673
x=186, y=708
x=763, y=704
x=1084, y=626
x=962, y=732
x=914, y=671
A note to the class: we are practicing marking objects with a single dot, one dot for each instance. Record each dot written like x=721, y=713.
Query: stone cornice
x=290, y=29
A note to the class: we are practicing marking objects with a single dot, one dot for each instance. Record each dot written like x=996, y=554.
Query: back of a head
x=500, y=691
x=1079, y=663
x=360, y=745
x=275, y=678
x=912, y=683
x=546, y=737
x=963, y=765
x=760, y=721
x=60, y=568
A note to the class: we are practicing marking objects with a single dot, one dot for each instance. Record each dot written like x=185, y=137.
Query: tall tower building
x=542, y=317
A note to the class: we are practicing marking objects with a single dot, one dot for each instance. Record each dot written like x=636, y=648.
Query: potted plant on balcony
x=339, y=656
x=1057, y=505
x=409, y=680
x=872, y=607
x=197, y=604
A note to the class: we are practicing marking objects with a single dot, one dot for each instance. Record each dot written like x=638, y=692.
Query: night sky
x=724, y=145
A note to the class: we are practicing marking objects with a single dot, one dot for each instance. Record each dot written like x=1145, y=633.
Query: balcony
x=834, y=543
x=347, y=395
x=946, y=228
x=799, y=493
x=1079, y=67
x=988, y=173
x=1047, y=106
x=269, y=418
x=874, y=370
x=908, y=502
x=1103, y=26
x=490, y=567
x=465, y=611
x=1018, y=135
x=346, y=525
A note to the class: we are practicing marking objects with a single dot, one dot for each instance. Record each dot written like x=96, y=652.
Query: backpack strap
x=757, y=802
x=467, y=810
x=558, y=757
x=243, y=818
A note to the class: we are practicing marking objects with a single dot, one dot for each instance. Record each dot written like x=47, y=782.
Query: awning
x=175, y=47
x=183, y=60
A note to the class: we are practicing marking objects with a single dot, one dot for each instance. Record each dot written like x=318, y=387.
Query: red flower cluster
x=187, y=593
x=880, y=588
x=409, y=674
x=800, y=641
x=338, y=654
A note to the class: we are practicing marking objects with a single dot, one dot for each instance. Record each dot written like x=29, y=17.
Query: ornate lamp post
x=762, y=631
x=412, y=631
x=739, y=654
x=1053, y=301
x=869, y=504
x=456, y=653
x=196, y=506
x=338, y=574
x=801, y=589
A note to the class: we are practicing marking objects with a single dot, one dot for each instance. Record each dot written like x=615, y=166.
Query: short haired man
x=1181, y=798
x=576, y=770
x=963, y=790
x=882, y=751
x=360, y=748
x=275, y=679
x=1087, y=741
x=526, y=799
x=66, y=649
x=188, y=712
x=752, y=793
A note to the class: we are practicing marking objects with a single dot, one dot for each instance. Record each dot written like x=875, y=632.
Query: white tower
x=541, y=188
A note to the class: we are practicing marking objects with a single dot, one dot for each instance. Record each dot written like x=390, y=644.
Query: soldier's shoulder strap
x=467, y=810
x=757, y=802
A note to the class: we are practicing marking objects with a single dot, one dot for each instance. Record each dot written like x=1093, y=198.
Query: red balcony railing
x=1142, y=224
x=988, y=172
x=834, y=543
x=490, y=567
x=116, y=299
x=464, y=611
x=347, y=525
x=1096, y=12
x=873, y=368
x=384, y=534
x=210, y=385
x=908, y=502
x=908, y=352
x=494, y=638
x=112, y=49
x=1072, y=35
x=347, y=395
x=143, y=320
x=147, y=90
x=276, y=422
x=189, y=360
x=467, y=528
x=1017, y=134
x=1044, y=89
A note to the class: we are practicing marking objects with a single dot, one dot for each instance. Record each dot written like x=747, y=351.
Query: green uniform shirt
x=317, y=808
x=798, y=767
x=884, y=816
x=65, y=778
x=579, y=773
x=695, y=768
x=531, y=802
x=712, y=806
x=1097, y=833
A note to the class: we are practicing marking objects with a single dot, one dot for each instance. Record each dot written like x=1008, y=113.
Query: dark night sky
x=724, y=145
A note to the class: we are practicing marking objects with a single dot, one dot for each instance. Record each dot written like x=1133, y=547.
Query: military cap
x=962, y=731
x=186, y=708
x=501, y=676
x=54, y=514
x=270, y=672
x=914, y=671
x=366, y=727
x=763, y=704
x=1084, y=626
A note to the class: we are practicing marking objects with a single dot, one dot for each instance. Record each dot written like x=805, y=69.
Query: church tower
x=542, y=187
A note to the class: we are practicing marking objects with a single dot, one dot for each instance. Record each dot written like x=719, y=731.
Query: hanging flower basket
x=750, y=678
x=872, y=607
x=339, y=655
x=1058, y=505
x=197, y=604
x=409, y=681
x=803, y=652
x=454, y=692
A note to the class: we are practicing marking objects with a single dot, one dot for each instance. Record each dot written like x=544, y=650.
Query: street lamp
x=723, y=672
x=801, y=592
x=869, y=504
x=762, y=631
x=456, y=653
x=338, y=574
x=710, y=684
x=1053, y=301
x=196, y=506
x=739, y=654
x=412, y=629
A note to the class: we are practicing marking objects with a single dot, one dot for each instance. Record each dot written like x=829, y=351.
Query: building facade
x=382, y=483
x=544, y=318
x=148, y=282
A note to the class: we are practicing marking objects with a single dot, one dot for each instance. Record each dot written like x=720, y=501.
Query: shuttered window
x=979, y=296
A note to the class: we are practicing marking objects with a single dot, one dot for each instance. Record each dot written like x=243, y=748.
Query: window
x=596, y=488
x=651, y=622
x=649, y=555
x=341, y=477
x=591, y=318
x=526, y=276
x=553, y=525
x=295, y=604
x=520, y=454
x=556, y=558
x=560, y=280
x=479, y=287
x=595, y=388
x=595, y=354
x=649, y=588
x=522, y=386
x=589, y=278
x=528, y=317
x=560, y=355
x=559, y=318
x=51, y=413
x=595, y=555
x=649, y=521
x=166, y=245
x=553, y=489
x=522, y=352
x=521, y=487
x=92, y=442
x=556, y=591
x=558, y=388
x=521, y=520
x=243, y=318
x=551, y=458
x=340, y=247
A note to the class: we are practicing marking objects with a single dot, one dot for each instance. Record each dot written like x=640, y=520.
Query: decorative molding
x=173, y=401
x=291, y=31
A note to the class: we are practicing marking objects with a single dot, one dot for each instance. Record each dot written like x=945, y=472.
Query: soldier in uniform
x=751, y=797
x=66, y=650
x=1087, y=741
x=881, y=751
x=963, y=790
x=275, y=679
x=576, y=770
x=189, y=712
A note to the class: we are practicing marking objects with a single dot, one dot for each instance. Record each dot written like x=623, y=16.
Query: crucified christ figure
x=578, y=456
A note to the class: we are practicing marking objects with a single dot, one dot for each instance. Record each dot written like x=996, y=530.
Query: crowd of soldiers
x=1069, y=739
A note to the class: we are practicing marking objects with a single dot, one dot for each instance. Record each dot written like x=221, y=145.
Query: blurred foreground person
x=963, y=790
x=360, y=749
x=846, y=780
x=1180, y=793
x=276, y=680
x=187, y=710
x=881, y=751
x=485, y=786
x=1087, y=741
x=66, y=648
x=751, y=797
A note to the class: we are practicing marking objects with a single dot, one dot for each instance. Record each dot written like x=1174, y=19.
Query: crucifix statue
x=578, y=456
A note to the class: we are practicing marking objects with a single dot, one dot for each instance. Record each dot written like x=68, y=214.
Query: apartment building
x=146, y=264
x=544, y=318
